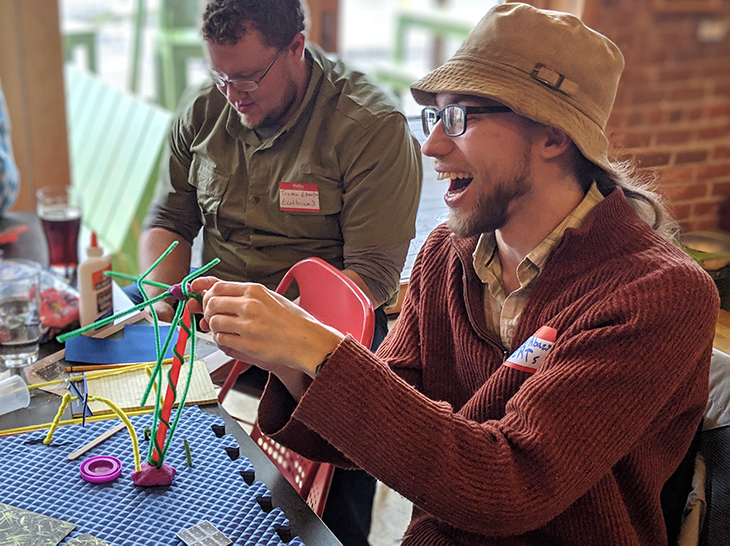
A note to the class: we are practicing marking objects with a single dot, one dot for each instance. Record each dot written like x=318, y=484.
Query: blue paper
x=137, y=345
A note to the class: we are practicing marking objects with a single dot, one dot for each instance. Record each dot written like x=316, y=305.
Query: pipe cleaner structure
x=154, y=471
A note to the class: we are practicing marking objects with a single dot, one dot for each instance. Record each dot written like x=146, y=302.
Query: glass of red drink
x=59, y=208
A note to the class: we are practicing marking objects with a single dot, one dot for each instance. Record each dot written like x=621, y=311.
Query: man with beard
x=282, y=155
x=550, y=366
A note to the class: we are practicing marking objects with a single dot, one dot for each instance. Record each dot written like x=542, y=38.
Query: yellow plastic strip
x=104, y=417
x=67, y=398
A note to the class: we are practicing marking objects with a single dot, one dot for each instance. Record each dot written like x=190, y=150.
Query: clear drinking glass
x=59, y=208
x=20, y=302
x=14, y=394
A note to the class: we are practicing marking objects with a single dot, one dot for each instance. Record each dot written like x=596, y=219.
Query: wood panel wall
x=31, y=72
x=323, y=23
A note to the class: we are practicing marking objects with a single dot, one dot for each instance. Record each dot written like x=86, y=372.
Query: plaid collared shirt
x=503, y=310
x=9, y=177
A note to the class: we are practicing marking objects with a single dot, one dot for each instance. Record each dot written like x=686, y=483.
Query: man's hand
x=165, y=311
x=260, y=327
x=201, y=285
x=152, y=243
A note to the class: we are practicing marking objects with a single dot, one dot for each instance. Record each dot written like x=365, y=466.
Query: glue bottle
x=95, y=288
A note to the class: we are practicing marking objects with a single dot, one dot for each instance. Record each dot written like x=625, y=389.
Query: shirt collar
x=488, y=268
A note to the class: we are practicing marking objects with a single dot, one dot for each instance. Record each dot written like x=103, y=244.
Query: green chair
x=84, y=36
x=178, y=40
x=437, y=23
x=115, y=141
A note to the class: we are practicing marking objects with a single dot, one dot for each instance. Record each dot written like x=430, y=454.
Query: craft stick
x=95, y=367
x=67, y=398
x=96, y=441
x=99, y=367
x=95, y=375
x=108, y=320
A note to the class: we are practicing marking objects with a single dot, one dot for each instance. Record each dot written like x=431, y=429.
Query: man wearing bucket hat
x=541, y=384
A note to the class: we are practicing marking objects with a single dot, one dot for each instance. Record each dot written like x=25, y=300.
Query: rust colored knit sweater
x=575, y=454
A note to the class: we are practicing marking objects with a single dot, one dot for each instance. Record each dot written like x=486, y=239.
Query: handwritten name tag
x=528, y=357
x=298, y=197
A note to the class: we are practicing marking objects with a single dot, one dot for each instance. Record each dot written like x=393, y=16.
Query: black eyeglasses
x=241, y=84
x=453, y=117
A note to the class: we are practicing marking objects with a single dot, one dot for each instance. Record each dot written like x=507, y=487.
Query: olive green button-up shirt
x=346, y=159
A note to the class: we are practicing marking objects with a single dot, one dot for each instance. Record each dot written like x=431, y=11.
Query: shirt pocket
x=324, y=223
x=210, y=185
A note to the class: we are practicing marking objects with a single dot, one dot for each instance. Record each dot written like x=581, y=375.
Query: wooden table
x=722, y=332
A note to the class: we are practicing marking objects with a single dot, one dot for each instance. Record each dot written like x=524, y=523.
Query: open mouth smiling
x=459, y=181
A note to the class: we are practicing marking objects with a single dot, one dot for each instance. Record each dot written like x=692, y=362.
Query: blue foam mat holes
x=218, y=430
x=40, y=478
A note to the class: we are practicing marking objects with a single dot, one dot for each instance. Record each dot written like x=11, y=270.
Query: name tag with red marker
x=298, y=197
x=528, y=357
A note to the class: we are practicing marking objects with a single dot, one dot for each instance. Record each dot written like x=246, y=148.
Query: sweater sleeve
x=614, y=381
x=400, y=350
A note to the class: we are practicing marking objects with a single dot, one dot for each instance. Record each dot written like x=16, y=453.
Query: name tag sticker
x=298, y=197
x=528, y=357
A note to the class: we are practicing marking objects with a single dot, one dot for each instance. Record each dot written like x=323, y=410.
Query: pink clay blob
x=150, y=475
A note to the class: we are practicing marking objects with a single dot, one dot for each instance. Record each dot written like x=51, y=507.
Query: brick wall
x=672, y=111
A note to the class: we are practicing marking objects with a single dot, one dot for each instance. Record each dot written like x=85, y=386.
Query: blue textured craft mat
x=40, y=478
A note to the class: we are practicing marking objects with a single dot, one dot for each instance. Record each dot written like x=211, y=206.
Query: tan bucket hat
x=545, y=65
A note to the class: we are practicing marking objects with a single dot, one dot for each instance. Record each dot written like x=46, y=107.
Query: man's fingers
x=194, y=306
x=164, y=311
x=227, y=324
x=202, y=284
x=250, y=305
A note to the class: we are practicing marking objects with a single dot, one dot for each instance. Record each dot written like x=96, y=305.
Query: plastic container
x=95, y=288
x=100, y=469
x=14, y=394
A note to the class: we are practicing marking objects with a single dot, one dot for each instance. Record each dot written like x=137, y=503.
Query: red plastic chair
x=334, y=299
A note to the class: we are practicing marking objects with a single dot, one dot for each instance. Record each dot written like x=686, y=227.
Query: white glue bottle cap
x=94, y=250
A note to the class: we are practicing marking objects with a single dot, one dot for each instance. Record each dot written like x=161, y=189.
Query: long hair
x=636, y=186
x=278, y=21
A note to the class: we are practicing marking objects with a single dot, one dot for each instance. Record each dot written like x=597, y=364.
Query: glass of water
x=20, y=328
